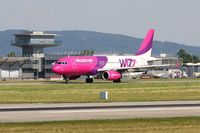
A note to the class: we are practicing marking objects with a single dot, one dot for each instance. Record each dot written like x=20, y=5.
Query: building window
x=27, y=70
x=28, y=62
x=35, y=62
x=49, y=62
x=48, y=71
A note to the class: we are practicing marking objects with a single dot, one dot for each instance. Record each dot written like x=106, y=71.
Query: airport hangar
x=34, y=63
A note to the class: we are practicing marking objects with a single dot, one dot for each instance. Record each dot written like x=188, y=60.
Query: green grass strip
x=79, y=92
x=159, y=125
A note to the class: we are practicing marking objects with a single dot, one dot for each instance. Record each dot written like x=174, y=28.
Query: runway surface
x=86, y=111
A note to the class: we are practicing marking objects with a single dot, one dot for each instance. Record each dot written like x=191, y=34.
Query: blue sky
x=173, y=20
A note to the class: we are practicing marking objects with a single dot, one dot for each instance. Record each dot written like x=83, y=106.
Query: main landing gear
x=89, y=80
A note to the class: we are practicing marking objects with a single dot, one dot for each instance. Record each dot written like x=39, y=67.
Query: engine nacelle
x=111, y=75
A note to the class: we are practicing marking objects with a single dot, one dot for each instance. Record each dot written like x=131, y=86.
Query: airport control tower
x=33, y=43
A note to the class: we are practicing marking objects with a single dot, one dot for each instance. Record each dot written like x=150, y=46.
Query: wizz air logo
x=127, y=62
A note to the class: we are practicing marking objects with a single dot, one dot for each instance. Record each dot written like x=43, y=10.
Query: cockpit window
x=62, y=63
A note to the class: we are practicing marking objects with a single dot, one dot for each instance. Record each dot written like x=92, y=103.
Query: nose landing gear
x=67, y=81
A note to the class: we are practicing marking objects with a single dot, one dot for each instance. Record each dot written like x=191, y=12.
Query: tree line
x=187, y=57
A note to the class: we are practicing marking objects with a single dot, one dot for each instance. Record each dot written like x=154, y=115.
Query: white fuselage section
x=126, y=62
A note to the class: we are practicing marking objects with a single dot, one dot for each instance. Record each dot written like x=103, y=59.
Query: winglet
x=146, y=46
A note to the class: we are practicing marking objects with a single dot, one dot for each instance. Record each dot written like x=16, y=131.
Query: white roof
x=193, y=64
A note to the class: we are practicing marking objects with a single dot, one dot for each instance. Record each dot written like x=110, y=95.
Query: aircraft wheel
x=89, y=80
x=67, y=81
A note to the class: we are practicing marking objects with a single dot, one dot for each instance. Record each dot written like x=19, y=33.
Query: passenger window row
x=61, y=62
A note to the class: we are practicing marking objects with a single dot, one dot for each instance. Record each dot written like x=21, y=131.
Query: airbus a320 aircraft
x=106, y=67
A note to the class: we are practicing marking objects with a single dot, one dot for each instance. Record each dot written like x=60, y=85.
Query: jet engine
x=111, y=75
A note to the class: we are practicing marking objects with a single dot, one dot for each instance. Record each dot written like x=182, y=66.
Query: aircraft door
x=73, y=65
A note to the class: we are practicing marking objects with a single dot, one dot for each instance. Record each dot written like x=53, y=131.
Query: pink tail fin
x=146, y=45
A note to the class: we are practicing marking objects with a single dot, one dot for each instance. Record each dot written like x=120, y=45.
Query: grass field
x=162, y=125
x=132, y=91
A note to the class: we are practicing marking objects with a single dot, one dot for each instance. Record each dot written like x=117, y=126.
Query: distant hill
x=101, y=42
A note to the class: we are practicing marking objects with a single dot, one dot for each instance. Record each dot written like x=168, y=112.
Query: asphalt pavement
x=88, y=111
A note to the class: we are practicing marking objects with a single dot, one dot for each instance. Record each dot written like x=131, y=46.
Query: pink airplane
x=106, y=67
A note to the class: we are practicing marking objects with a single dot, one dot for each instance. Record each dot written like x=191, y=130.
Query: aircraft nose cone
x=56, y=69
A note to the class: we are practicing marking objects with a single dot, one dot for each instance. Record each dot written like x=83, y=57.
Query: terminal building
x=170, y=67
